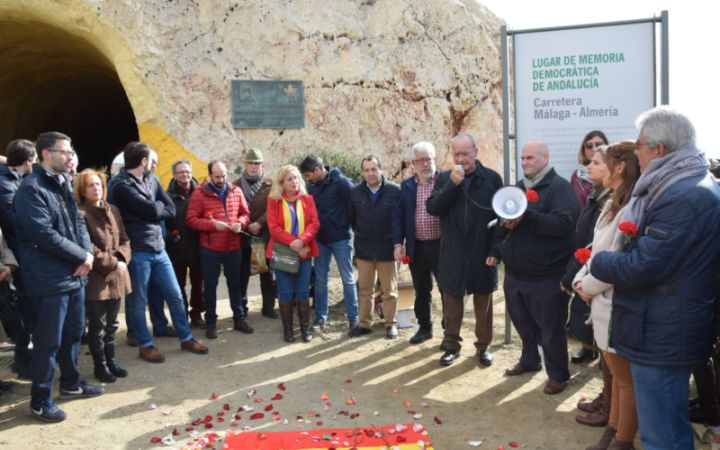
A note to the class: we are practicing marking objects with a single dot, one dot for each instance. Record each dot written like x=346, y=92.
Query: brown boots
x=304, y=315
x=608, y=442
x=286, y=316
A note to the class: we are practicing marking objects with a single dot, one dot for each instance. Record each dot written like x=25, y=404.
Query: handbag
x=10, y=312
x=284, y=258
x=258, y=262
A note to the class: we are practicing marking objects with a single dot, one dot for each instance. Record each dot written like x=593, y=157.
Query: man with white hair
x=416, y=234
x=461, y=198
x=664, y=304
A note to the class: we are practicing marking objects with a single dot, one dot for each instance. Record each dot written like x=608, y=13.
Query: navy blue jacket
x=465, y=242
x=331, y=199
x=663, y=304
x=143, y=204
x=9, y=184
x=372, y=222
x=404, y=216
x=541, y=245
x=52, y=236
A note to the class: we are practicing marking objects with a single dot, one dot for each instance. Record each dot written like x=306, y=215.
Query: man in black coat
x=56, y=256
x=371, y=208
x=535, y=249
x=462, y=198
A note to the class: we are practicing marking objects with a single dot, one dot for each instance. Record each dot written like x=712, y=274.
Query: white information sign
x=572, y=81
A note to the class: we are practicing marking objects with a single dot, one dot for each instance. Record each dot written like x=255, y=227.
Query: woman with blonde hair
x=109, y=279
x=623, y=170
x=293, y=224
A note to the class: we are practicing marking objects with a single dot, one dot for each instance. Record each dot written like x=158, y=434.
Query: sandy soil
x=473, y=403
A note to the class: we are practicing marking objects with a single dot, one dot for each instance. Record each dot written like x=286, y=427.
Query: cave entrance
x=52, y=80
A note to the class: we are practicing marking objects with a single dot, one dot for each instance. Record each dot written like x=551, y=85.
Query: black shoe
x=421, y=336
x=167, y=332
x=103, y=374
x=117, y=370
x=448, y=357
x=583, y=355
x=391, y=332
x=485, y=358
x=22, y=370
x=352, y=324
x=442, y=346
x=359, y=331
x=6, y=385
x=270, y=314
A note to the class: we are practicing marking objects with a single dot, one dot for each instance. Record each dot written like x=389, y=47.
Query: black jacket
x=331, y=199
x=540, y=246
x=143, y=205
x=372, y=223
x=9, y=184
x=181, y=242
x=52, y=236
x=465, y=240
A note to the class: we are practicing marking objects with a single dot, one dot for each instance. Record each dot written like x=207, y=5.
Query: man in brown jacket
x=255, y=188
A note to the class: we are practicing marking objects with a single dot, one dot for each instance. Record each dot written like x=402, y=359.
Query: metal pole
x=506, y=143
x=664, y=59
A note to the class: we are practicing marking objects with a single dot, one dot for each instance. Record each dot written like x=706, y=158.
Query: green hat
x=253, y=156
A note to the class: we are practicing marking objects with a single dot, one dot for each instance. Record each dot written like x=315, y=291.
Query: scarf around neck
x=660, y=174
x=534, y=181
x=293, y=215
x=250, y=185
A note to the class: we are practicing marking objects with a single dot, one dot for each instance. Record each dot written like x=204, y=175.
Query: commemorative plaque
x=268, y=104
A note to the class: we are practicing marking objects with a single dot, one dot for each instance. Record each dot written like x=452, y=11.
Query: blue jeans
x=210, y=261
x=146, y=269
x=661, y=398
x=156, y=306
x=294, y=286
x=56, y=338
x=343, y=258
x=23, y=354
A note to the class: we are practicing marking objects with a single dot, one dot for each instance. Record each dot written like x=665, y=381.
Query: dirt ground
x=472, y=403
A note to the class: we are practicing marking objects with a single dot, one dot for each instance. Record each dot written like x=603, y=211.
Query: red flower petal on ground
x=155, y=440
x=281, y=386
x=221, y=413
x=319, y=423
x=175, y=432
x=214, y=396
x=220, y=419
x=237, y=417
x=354, y=415
x=275, y=413
x=226, y=406
x=277, y=397
x=268, y=407
x=208, y=419
x=583, y=254
x=348, y=381
x=532, y=195
x=189, y=428
x=513, y=444
x=233, y=424
x=208, y=425
x=257, y=416
x=406, y=259
x=438, y=421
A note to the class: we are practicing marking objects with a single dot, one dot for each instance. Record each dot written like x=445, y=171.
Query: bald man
x=535, y=254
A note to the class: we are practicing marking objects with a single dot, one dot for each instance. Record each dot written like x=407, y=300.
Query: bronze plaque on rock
x=268, y=104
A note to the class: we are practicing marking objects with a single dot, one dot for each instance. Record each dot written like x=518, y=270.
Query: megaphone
x=508, y=203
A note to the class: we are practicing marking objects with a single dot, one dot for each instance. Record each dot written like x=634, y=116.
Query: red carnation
x=209, y=214
x=582, y=254
x=629, y=229
x=406, y=259
x=532, y=195
x=175, y=232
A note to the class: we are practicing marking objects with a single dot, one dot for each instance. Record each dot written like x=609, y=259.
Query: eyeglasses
x=423, y=160
x=590, y=144
x=68, y=153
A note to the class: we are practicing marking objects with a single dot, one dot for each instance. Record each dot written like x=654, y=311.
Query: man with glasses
x=416, y=235
x=56, y=256
x=462, y=198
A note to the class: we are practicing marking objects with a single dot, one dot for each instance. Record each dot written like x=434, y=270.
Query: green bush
x=346, y=162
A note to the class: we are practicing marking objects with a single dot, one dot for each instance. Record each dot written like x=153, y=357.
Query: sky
x=694, y=46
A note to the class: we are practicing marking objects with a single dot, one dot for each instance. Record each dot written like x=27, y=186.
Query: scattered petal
x=208, y=419
x=350, y=400
x=258, y=399
x=256, y=416
x=275, y=413
x=269, y=407
x=221, y=413
x=155, y=440
x=175, y=432
x=500, y=447
x=395, y=389
x=152, y=406
x=214, y=396
x=237, y=417
x=319, y=423
x=233, y=424
x=400, y=428
x=412, y=412
x=168, y=440
x=348, y=381
x=220, y=419
x=424, y=404
x=281, y=386
x=354, y=415
x=208, y=425
x=418, y=427
x=327, y=406
x=277, y=418
x=310, y=414
x=226, y=406
x=167, y=412
x=438, y=421
x=475, y=443
x=247, y=408
x=189, y=428
x=391, y=431
x=513, y=444
x=417, y=416
x=277, y=396
x=583, y=396
x=251, y=393
x=407, y=403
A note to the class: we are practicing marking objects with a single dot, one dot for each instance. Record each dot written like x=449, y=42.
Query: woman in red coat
x=293, y=223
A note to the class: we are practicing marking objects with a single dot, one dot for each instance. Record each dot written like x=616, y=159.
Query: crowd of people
x=630, y=238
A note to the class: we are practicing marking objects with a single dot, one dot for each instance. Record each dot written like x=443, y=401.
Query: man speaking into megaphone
x=535, y=249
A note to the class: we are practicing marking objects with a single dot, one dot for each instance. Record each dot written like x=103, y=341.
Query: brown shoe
x=517, y=369
x=620, y=445
x=590, y=407
x=194, y=346
x=555, y=387
x=211, y=332
x=198, y=323
x=151, y=354
x=605, y=440
x=243, y=326
x=598, y=418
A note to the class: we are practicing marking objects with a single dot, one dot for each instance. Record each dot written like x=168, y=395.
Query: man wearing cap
x=256, y=187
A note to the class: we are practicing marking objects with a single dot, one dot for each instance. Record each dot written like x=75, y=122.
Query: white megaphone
x=509, y=203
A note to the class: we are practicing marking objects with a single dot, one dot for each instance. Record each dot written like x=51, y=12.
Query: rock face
x=379, y=75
